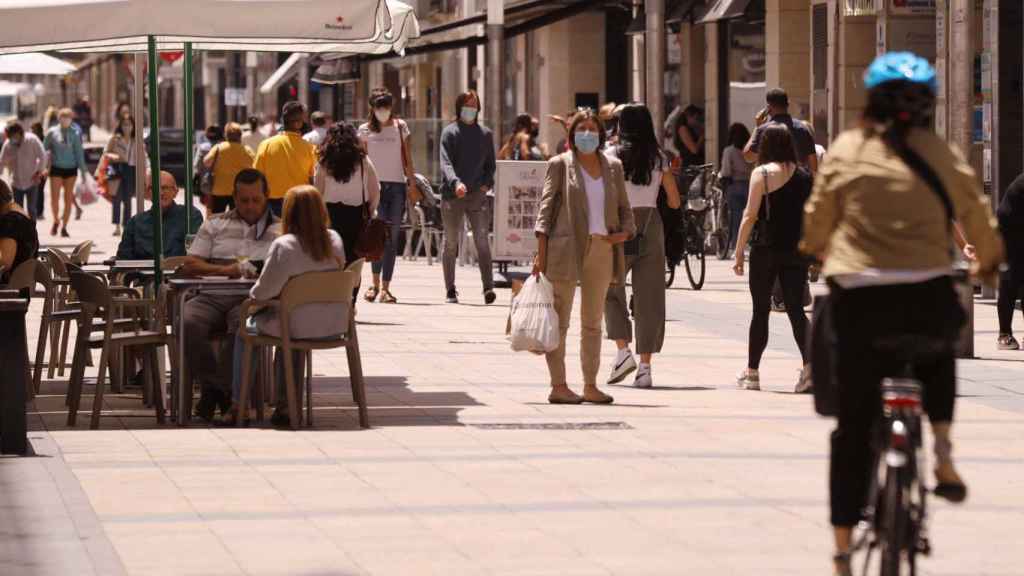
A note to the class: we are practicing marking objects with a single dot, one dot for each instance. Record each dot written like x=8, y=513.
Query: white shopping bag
x=86, y=190
x=534, y=319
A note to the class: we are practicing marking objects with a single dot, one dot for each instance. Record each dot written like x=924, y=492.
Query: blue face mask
x=586, y=141
x=468, y=114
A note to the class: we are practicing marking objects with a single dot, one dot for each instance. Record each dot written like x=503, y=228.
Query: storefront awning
x=725, y=10
x=283, y=73
x=684, y=11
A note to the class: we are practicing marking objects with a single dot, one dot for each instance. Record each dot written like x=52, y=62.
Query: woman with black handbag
x=771, y=222
x=880, y=219
x=348, y=182
x=646, y=170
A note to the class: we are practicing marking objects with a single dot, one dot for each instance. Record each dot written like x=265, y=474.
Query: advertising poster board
x=517, y=191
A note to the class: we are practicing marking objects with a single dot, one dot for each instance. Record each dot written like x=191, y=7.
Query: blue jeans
x=736, y=198
x=122, y=201
x=391, y=209
x=26, y=198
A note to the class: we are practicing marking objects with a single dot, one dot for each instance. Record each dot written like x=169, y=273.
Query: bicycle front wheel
x=695, y=268
x=895, y=520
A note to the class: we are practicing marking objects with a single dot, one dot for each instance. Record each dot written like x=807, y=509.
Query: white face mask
x=383, y=115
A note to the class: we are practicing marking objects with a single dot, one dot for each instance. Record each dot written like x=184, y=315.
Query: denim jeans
x=391, y=209
x=736, y=198
x=121, y=203
x=26, y=198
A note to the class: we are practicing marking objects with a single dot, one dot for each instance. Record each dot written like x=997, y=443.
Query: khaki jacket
x=563, y=216
x=871, y=211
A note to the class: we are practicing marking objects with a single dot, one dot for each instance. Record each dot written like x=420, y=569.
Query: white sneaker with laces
x=643, y=377
x=624, y=366
x=749, y=380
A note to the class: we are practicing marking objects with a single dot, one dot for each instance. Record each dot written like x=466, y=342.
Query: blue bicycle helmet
x=905, y=66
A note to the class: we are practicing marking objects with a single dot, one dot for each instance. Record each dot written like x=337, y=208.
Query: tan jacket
x=563, y=216
x=869, y=210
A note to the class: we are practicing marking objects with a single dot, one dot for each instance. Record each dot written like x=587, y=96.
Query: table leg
x=184, y=382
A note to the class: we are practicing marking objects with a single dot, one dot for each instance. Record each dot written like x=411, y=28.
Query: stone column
x=788, y=51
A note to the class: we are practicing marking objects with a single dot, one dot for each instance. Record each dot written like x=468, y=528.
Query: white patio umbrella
x=34, y=63
x=155, y=25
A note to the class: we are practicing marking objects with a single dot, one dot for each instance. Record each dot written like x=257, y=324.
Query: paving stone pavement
x=467, y=469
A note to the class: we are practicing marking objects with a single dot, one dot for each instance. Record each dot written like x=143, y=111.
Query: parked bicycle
x=687, y=229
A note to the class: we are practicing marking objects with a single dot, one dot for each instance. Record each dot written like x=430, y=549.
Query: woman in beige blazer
x=583, y=220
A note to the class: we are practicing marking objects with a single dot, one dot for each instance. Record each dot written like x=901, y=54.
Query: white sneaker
x=749, y=380
x=624, y=366
x=643, y=377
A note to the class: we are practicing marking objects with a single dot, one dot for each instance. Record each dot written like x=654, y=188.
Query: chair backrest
x=24, y=276
x=44, y=275
x=81, y=253
x=58, y=263
x=330, y=287
x=91, y=290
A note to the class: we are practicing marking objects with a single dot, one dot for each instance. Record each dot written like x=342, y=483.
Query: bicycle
x=895, y=518
x=686, y=229
x=718, y=235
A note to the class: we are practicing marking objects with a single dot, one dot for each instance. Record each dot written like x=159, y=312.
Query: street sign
x=236, y=97
x=911, y=7
x=517, y=191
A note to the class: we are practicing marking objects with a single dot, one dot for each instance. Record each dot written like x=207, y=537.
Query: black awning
x=519, y=19
x=725, y=10
x=684, y=11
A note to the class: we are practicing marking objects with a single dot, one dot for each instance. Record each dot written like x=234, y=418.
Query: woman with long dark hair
x=778, y=189
x=735, y=174
x=522, y=144
x=347, y=180
x=120, y=152
x=645, y=170
x=688, y=136
x=879, y=218
x=386, y=138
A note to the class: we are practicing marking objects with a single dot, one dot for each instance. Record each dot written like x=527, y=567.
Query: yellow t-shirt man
x=287, y=161
x=231, y=158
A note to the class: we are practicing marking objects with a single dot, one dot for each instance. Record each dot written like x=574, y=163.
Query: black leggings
x=861, y=317
x=1009, y=294
x=347, y=221
x=765, y=266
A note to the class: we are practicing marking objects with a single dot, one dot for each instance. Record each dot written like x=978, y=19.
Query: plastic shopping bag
x=86, y=190
x=534, y=319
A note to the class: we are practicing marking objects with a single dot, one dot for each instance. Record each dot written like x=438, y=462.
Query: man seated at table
x=137, y=240
x=232, y=244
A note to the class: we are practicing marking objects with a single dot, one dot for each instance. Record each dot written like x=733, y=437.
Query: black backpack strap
x=922, y=169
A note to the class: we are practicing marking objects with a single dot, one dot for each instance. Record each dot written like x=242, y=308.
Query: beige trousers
x=597, y=276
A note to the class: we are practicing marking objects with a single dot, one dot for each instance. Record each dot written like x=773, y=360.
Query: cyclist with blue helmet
x=880, y=219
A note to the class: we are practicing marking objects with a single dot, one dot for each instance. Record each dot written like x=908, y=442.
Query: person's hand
x=539, y=265
x=460, y=191
x=248, y=269
x=761, y=117
x=485, y=189
x=737, y=267
x=232, y=271
x=970, y=252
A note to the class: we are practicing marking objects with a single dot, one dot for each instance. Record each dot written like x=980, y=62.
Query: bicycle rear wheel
x=695, y=268
x=670, y=274
x=895, y=520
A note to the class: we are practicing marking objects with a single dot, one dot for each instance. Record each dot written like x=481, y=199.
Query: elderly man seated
x=137, y=241
x=232, y=244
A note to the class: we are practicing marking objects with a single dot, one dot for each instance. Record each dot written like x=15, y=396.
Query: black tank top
x=783, y=211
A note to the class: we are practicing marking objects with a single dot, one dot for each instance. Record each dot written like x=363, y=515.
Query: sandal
x=386, y=297
x=371, y=294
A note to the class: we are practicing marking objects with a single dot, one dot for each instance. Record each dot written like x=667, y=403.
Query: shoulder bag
x=206, y=181
x=374, y=233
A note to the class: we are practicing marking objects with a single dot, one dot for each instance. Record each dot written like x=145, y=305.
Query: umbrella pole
x=154, y=159
x=189, y=136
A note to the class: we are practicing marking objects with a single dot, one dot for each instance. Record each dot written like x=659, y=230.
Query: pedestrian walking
x=645, y=169
x=83, y=117
x=225, y=161
x=63, y=143
x=316, y=136
x=23, y=154
x=120, y=153
x=37, y=129
x=779, y=186
x=880, y=219
x=583, y=220
x=348, y=181
x=688, y=136
x=467, y=168
x=1011, y=280
x=254, y=136
x=777, y=112
x=213, y=135
x=286, y=159
x=522, y=144
x=735, y=175
x=385, y=137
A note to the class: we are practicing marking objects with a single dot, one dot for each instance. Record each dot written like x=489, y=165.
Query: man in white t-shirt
x=319, y=121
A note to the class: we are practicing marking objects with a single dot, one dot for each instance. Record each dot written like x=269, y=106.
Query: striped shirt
x=226, y=237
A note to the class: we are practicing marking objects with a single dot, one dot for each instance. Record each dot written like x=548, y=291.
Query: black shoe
x=280, y=419
x=78, y=213
x=206, y=407
x=490, y=296
x=453, y=296
x=64, y=233
x=136, y=381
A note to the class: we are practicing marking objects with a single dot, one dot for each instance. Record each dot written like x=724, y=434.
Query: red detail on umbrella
x=171, y=57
